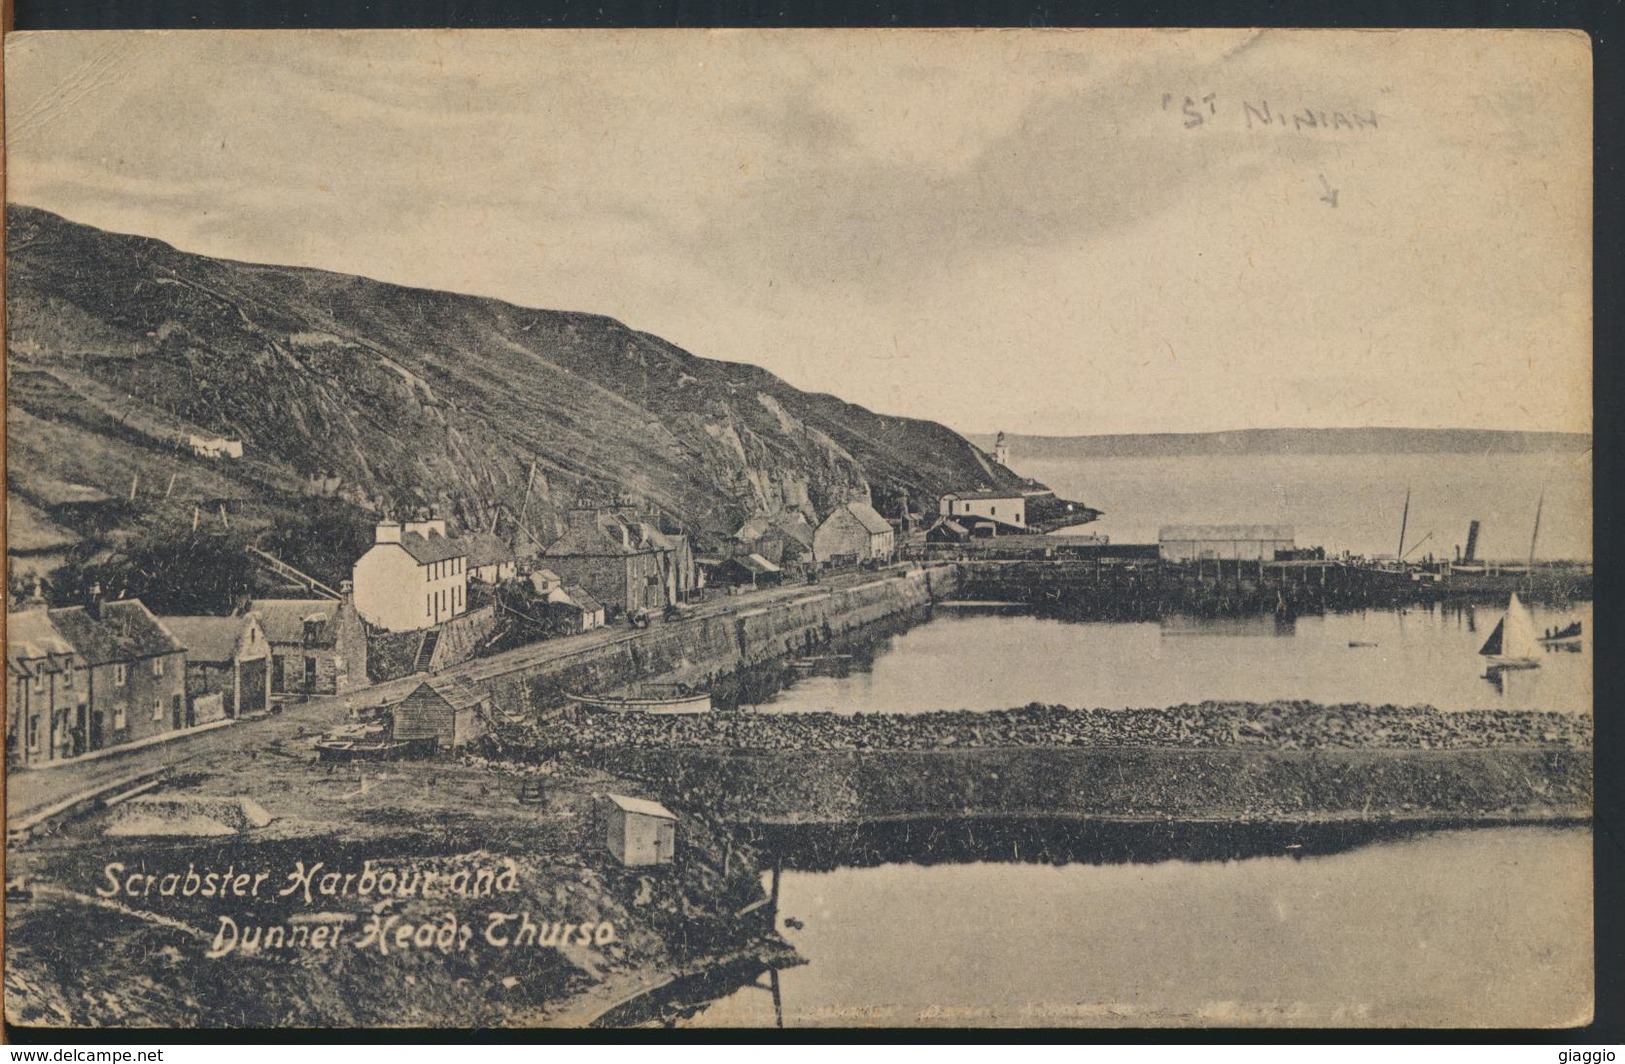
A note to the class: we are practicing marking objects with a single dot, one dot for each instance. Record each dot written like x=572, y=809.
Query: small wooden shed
x=638, y=831
x=443, y=712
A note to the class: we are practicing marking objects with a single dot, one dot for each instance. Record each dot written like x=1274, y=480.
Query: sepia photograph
x=695, y=529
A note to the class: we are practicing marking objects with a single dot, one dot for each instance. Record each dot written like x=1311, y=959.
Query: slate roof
x=485, y=548
x=1224, y=533
x=867, y=516
x=283, y=620
x=30, y=636
x=977, y=496
x=432, y=548
x=458, y=693
x=591, y=542
x=642, y=805
x=583, y=598
x=210, y=639
x=125, y=631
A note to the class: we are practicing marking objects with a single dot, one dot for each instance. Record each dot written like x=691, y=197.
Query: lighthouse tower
x=1001, y=451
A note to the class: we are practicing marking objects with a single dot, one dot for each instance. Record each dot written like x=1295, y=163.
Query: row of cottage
x=416, y=576
x=107, y=674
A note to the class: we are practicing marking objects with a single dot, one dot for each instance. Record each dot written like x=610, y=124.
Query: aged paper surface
x=798, y=528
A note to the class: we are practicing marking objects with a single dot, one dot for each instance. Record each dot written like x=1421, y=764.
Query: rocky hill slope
x=394, y=399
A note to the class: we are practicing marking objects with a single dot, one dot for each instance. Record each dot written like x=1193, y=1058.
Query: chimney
x=427, y=526
x=346, y=590
x=93, y=603
x=388, y=532
x=583, y=518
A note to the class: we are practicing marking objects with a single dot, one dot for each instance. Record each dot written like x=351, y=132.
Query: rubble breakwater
x=1246, y=762
x=698, y=651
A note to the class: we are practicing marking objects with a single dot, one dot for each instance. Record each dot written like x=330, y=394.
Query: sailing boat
x=1513, y=644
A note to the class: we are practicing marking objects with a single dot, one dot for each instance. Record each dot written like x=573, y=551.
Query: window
x=119, y=677
x=33, y=731
x=428, y=606
x=118, y=717
x=67, y=677
x=157, y=666
x=39, y=678
x=157, y=708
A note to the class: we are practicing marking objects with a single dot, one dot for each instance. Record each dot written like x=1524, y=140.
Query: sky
x=1021, y=230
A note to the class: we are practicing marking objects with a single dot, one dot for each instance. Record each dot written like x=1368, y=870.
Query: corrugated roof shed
x=642, y=805
x=125, y=630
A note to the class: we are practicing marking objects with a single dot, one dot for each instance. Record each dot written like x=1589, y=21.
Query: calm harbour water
x=988, y=659
x=1486, y=927
x=1479, y=927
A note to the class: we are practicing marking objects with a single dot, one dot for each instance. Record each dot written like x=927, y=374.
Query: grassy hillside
x=390, y=399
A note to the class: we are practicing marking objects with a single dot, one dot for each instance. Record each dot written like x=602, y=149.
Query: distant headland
x=1291, y=441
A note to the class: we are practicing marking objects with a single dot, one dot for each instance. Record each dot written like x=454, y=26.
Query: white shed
x=638, y=831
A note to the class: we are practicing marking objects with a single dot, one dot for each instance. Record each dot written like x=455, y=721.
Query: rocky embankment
x=1208, y=762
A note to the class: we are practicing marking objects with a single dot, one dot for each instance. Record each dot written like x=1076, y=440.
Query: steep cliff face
x=395, y=398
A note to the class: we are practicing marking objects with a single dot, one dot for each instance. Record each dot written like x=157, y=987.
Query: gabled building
x=318, y=646
x=1003, y=508
x=413, y=577
x=576, y=609
x=947, y=530
x=46, y=686
x=624, y=563
x=749, y=570
x=443, y=714
x=130, y=680
x=853, y=533
x=228, y=666
x=780, y=537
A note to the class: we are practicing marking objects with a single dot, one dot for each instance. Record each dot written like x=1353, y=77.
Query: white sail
x=1519, y=639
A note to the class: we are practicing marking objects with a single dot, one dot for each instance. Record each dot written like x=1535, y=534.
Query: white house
x=412, y=577
x=854, y=532
x=1000, y=506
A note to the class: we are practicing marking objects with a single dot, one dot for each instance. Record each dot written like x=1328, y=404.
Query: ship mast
x=1536, y=533
x=1403, y=519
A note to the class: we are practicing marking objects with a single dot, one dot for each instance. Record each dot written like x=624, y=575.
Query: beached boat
x=1513, y=644
x=363, y=742
x=677, y=702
